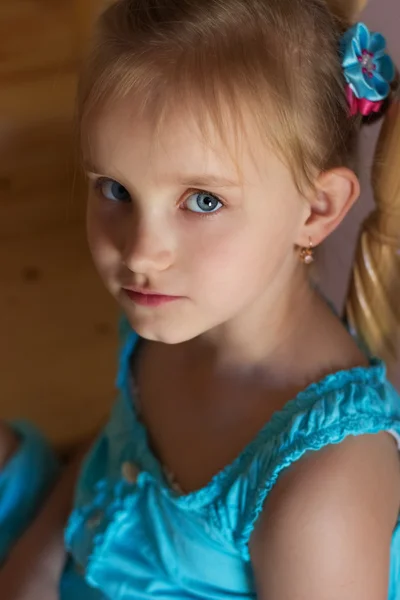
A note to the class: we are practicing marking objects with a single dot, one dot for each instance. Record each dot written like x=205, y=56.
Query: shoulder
x=326, y=527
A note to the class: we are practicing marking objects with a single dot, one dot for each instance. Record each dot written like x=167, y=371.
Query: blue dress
x=133, y=536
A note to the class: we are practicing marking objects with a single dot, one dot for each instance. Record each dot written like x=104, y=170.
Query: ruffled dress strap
x=356, y=402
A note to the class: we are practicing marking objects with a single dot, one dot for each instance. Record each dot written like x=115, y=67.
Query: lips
x=151, y=299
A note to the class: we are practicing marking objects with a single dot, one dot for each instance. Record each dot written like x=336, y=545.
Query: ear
x=334, y=194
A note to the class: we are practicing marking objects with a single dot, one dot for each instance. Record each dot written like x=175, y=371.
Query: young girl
x=252, y=448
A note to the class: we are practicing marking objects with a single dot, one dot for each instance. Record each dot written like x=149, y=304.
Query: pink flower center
x=366, y=61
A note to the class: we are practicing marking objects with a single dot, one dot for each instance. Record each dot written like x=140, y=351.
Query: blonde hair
x=279, y=58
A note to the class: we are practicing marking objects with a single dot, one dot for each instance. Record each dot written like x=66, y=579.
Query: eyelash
x=97, y=184
x=205, y=215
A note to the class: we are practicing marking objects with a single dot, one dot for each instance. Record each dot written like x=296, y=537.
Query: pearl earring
x=307, y=254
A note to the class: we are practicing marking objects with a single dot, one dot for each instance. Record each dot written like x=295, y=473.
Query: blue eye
x=203, y=202
x=112, y=190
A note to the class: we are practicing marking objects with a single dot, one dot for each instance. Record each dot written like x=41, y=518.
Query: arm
x=35, y=565
x=326, y=529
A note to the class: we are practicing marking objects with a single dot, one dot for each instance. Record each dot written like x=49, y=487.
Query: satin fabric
x=132, y=536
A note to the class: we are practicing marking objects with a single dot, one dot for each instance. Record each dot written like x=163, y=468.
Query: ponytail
x=373, y=303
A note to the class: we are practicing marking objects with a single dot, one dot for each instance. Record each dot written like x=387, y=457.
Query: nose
x=148, y=246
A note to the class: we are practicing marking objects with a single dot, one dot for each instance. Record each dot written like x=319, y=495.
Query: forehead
x=120, y=137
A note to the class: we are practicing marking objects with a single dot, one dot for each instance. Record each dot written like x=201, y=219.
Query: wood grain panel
x=40, y=179
x=57, y=323
x=38, y=99
x=58, y=335
x=36, y=34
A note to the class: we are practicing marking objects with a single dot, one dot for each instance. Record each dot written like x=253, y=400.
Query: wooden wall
x=57, y=324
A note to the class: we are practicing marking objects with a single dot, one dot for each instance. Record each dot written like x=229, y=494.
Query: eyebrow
x=90, y=168
x=204, y=181
x=195, y=181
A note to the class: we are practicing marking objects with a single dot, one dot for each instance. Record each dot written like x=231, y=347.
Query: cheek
x=104, y=224
x=103, y=238
x=229, y=260
x=97, y=240
x=92, y=231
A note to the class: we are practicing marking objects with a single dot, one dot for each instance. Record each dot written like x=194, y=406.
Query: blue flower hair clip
x=368, y=70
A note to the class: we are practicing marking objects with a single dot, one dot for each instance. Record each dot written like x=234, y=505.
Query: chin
x=164, y=335
x=170, y=331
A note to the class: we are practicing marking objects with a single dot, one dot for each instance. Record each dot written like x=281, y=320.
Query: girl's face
x=174, y=216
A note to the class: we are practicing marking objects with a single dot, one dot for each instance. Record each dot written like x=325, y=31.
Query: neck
x=270, y=332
